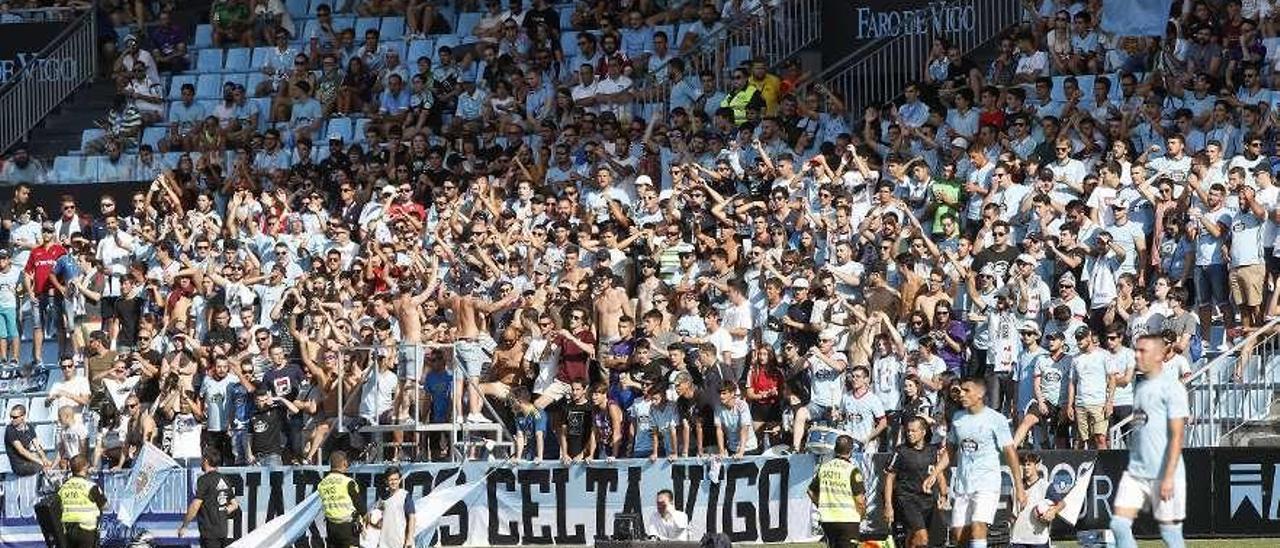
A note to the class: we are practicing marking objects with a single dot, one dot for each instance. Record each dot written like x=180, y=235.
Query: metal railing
x=47, y=78
x=1233, y=390
x=412, y=362
x=774, y=33
x=878, y=71
x=41, y=15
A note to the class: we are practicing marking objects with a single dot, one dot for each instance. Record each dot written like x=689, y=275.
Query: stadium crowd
x=512, y=236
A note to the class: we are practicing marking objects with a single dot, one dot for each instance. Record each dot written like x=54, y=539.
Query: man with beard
x=22, y=168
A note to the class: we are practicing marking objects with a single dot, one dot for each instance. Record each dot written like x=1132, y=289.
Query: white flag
x=285, y=528
x=148, y=474
x=1073, y=503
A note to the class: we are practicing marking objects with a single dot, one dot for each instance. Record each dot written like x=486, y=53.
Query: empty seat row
x=211, y=60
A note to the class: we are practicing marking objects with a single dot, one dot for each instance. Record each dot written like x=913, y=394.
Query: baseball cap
x=960, y=142
x=644, y=180
x=800, y=283
x=1120, y=203
x=1029, y=326
x=335, y=136
x=1026, y=258
x=1068, y=279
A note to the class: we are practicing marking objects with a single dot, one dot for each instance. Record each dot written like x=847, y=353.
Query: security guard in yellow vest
x=82, y=504
x=344, y=504
x=837, y=489
x=743, y=97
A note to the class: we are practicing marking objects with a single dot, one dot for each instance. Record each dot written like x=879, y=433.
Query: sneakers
x=477, y=418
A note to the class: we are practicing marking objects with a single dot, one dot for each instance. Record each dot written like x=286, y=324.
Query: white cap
x=644, y=180
x=960, y=142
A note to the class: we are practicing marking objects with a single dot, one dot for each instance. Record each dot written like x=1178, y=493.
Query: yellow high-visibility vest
x=738, y=102
x=77, y=506
x=336, y=499
x=836, y=502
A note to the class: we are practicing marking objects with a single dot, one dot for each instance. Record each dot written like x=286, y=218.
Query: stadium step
x=60, y=132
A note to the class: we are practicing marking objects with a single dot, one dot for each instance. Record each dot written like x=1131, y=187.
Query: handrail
x=878, y=71
x=1229, y=391
x=48, y=78
x=773, y=32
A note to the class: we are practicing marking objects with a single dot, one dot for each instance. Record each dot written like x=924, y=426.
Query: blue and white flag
x=146, y=478
x=429, y=509
x=285, y=528
x=1073, y=502
x=1135, y=17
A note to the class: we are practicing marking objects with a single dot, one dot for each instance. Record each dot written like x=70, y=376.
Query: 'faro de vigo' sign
x=56, y=69
x=851, y=24
x=941, y=16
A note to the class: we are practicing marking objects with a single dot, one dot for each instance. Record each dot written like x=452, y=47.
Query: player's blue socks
x=1171, y=533
x=978, y=543
x=1122, y=528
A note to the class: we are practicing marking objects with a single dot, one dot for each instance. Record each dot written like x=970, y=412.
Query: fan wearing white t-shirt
x=1031, y=526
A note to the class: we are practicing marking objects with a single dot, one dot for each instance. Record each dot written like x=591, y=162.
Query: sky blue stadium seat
x=340, y=126
x=467, y=23
x=738, y=55
x=419, y=48
x=238, y=79
x=367, y=23
x=311, y=9
x=152, y=135
x=260, y=58
x=204, y=36
x=5, y=467
x=209, y=104
x=392, y=27
x=341, y=22
x=357, y=129
x=209, y=86
x=569, y=42
x=264, y=111
x=252, y=80
x=442, y=40
x=175, y=84
x=566, y=16
x=296, y=8
x=87, y=136
x=208, y=61
x=238, y=60
x=47, y=434
x=171, y=158
x=320, y=153
x=68, y=169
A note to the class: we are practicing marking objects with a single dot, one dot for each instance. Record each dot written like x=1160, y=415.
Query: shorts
x=1247, y=283
x=1143, y=494
x=9, y=323
x=1211, y=284
x=471, y=357
x=979, y=507
x=914, y=513
x=1090, y=421
x=819, y=412
x=766, y=412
